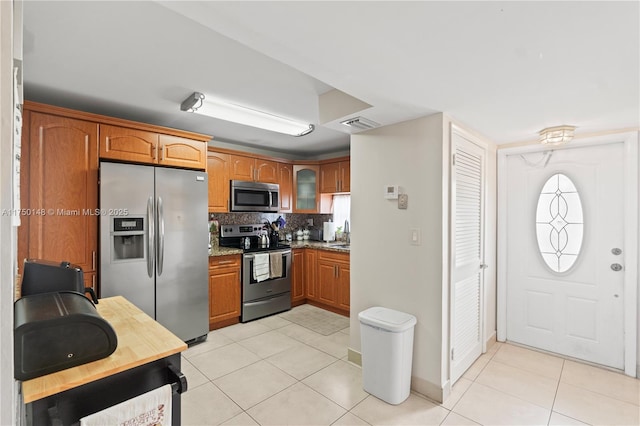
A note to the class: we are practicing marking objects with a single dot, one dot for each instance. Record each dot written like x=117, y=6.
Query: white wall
x=386, y=270
x=7, y=232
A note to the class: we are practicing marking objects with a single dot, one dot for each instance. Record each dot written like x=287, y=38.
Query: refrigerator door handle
x=150, y=238
x=160, y=211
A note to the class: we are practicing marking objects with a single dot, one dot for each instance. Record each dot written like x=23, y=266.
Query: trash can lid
x=387, y=319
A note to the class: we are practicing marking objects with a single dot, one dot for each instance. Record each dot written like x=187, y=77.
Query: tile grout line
x=297, y=381
x=293, y=384
x=553, y=405
x=467, y=390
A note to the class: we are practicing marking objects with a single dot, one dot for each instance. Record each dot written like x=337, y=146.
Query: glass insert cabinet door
x=559, y=223
x=306, y=188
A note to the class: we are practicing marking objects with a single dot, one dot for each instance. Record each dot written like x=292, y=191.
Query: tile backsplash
x=294, y=221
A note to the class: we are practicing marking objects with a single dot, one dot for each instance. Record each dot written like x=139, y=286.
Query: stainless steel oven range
x=266, y=270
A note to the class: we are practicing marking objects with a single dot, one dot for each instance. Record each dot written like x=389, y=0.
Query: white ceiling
x=505, y=69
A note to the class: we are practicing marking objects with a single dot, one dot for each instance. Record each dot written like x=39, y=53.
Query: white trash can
x=387, y=351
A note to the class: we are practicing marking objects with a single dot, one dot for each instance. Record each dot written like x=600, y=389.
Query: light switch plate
x=403, y=201
x=415, y=237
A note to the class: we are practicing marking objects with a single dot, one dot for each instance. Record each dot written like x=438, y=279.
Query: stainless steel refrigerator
x=154, y=243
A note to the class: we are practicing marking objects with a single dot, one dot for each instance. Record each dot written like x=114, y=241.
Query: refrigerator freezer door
x=182, y=289
x=124, y=193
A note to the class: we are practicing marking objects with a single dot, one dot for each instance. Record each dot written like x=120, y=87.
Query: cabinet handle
x=93, y=260
x=162, y=153
x=222, y=262
x=154, y=152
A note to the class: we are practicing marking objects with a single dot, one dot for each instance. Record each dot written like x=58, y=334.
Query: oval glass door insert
x=559, y=223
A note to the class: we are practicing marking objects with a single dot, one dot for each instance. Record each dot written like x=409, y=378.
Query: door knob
x=616, y=267
x=616, y=251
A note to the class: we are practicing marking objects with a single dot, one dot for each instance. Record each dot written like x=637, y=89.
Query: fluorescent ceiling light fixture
x=556, y=135
x=198, y=103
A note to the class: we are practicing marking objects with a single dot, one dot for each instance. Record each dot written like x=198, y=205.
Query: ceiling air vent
x=360, y=123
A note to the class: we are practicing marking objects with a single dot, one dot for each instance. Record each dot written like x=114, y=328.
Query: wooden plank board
x=140, y=340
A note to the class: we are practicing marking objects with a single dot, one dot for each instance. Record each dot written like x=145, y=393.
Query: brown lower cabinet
x=333, y=280
x=303, y=276
x=224, y=290
x=297, y=277
x=311, y=282
x=321, y=277
x=90, y=281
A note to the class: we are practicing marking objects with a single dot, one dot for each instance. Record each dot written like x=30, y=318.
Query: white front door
x=566, y=252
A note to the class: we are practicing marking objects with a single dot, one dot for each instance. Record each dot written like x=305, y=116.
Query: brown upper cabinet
x=285, y=180
x=253, y=169
x=306, y=197
x=60, y=158
x=140, y=146
x=182, y=152
x=219, y=188
x=59, y=176
x=335, y=177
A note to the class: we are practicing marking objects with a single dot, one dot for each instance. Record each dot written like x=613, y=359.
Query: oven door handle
x=250, y=256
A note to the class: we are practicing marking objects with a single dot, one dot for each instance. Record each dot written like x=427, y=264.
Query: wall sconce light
x=556, y=135
x=198, y=103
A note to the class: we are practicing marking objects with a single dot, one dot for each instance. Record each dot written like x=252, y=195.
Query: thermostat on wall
x=391, y=192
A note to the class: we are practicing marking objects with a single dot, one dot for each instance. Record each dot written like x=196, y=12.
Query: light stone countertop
x=336, y=246
x=223, y=251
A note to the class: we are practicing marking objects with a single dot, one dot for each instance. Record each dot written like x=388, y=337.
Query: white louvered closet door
x=467, y=254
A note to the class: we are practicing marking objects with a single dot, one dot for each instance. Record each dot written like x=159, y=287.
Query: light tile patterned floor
x=274, y=372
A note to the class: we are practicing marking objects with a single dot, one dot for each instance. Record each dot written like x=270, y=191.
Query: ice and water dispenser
x=127, y=238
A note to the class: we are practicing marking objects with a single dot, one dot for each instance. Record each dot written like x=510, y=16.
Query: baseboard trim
x=423, y=387
x=430, y=390
x=354, y=357
x=492, y=340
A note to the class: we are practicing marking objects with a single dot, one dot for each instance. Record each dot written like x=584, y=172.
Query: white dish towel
x=260, y=266
x=151, y=408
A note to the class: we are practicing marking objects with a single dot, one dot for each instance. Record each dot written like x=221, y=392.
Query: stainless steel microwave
x=254, y=196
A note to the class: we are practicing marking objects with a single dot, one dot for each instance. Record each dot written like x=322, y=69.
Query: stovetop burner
x=234, y=236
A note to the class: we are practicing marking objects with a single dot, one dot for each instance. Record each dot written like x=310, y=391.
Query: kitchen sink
x=339, y=245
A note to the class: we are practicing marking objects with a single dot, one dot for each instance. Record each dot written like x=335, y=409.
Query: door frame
x=630, y=141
